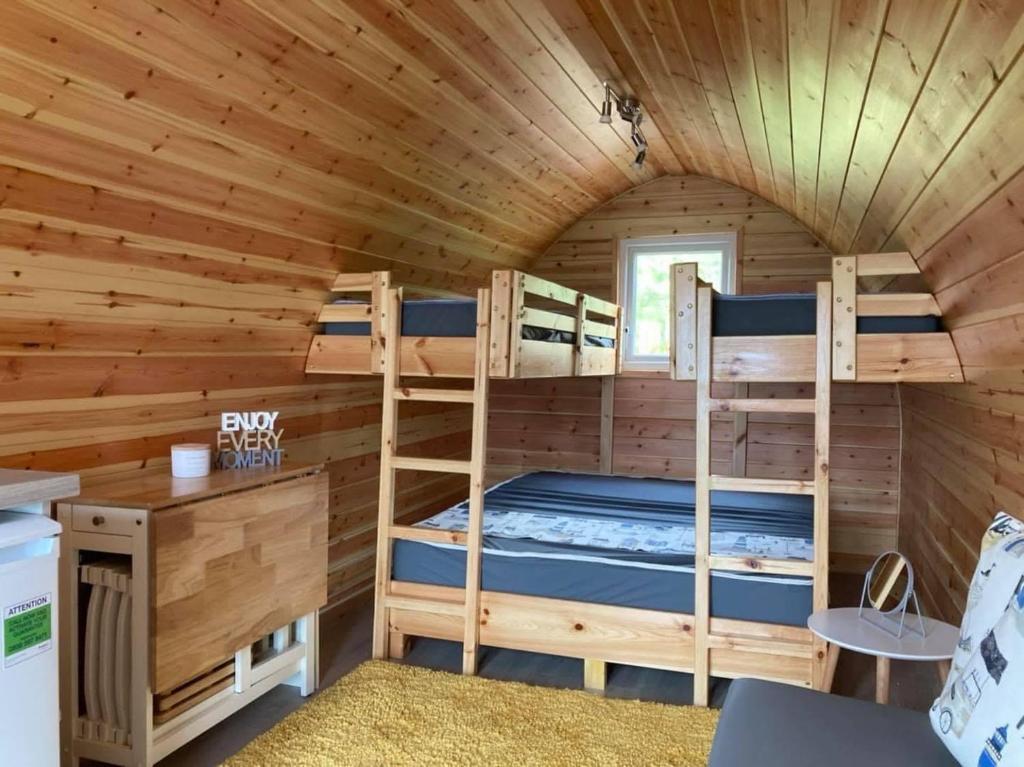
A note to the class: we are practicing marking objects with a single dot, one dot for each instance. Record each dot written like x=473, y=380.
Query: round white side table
x=841, y=627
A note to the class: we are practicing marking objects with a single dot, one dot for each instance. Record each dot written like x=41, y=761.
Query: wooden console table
x=183, y=601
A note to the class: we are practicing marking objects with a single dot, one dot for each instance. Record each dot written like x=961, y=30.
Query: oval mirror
x=891, y=581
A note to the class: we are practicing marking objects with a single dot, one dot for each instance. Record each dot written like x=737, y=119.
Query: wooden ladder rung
x=434, y=395
x=761, y=565
x=761, y=405
x=756, y=485
x=426, y=534
x=441, y=465
x=417, y=604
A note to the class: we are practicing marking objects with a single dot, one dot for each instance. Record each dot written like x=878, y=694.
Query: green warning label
x=28, y=629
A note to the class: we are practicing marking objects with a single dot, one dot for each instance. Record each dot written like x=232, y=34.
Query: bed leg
x=398, y=645
x=595, y=673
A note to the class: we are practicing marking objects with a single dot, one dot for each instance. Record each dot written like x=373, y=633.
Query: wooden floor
x=346, y=643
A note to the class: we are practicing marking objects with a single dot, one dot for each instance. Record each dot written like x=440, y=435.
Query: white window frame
x=628, y=249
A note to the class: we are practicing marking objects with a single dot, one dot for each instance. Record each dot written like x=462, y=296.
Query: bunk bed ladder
x=704, y=562
x=390, y=462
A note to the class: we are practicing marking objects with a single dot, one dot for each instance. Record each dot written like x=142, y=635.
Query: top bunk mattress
x=781, y=314
x=626, y=541
x=794, y=314
x=452, y=318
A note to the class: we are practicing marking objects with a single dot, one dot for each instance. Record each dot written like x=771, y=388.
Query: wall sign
x=248, y=439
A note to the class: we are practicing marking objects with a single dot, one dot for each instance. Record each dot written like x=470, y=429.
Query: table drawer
x=103, y=519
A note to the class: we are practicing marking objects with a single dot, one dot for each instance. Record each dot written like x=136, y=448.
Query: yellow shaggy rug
x=390, y=714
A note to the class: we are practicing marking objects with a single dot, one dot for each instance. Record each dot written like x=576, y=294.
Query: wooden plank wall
x=556, y=424
x=963, y=444
x=165, y=246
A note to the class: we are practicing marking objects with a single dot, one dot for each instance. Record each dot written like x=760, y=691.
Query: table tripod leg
x=882, y=680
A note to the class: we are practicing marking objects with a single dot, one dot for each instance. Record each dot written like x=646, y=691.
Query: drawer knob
x=98, y=520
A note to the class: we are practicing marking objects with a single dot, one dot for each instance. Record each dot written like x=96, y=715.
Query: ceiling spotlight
x=606, y=106
x=629, y=110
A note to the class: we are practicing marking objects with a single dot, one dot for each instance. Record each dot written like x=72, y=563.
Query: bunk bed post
x=581, y=333
x=380, y=283
x=702, y=502
x=844, y=289
x=822, y=439
x=392, y=345
x=517, y=306
x=501, y=314
x=683, y=326
x=477, y=460
x=607, y=437
x=618, y=340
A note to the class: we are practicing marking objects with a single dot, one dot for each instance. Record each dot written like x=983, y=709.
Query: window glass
x=646, y=268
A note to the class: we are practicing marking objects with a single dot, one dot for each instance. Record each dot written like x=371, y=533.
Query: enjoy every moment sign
x=248, y=439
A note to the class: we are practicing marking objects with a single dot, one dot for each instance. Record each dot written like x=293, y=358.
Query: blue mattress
x=624, y=541
x=768, y=315
x=793, y=314
x=453, y=318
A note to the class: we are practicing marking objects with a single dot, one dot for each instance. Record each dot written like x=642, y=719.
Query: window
x=644, y=288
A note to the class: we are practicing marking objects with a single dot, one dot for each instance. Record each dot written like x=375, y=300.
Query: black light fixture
x=629, y=110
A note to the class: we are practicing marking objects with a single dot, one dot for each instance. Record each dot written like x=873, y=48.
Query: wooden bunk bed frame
x=517, y=299
x=859, y=357
x=599, y=634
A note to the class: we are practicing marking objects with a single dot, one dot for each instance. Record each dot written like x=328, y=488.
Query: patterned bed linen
x=632, y=519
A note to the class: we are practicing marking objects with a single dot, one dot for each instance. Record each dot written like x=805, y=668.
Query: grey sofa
x=764, y=724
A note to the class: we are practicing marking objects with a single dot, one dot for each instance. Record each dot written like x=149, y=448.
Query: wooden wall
x=963, y=444
x=557, y=423
x=180, y=181
x=165, y=245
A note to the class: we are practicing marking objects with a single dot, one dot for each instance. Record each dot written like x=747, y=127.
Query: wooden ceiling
x=456, y=136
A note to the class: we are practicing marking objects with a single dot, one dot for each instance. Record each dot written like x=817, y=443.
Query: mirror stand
x=895, y=625
x=888, y=597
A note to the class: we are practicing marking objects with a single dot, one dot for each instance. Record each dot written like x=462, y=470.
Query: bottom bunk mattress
x=625, y=541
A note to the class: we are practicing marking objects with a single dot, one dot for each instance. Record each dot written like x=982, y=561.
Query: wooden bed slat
x=907, y=357
x=633, y=636
x=416, y=604
x=761, y=565
x=886, y=264
x=764, y=359
x=538, y=286
x=897, y=305
x=542, y=318
x=758, y=485
x=353, y=282
x=339, y=355
x=762, y=405
x=438, y=356
x=345, y=313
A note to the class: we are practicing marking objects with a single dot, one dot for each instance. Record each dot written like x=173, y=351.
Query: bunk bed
x=876, y=337
x=538, y=329
x=558, y=580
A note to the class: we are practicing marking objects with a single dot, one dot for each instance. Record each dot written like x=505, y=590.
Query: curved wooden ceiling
x=455, y=136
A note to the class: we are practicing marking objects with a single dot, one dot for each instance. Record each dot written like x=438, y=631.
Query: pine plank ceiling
x=456, y=136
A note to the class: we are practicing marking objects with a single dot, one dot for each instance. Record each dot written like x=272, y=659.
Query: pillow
x=980, y=713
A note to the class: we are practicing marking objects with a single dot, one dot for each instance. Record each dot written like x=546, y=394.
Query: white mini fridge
x=29, y=711
x=29, y=683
